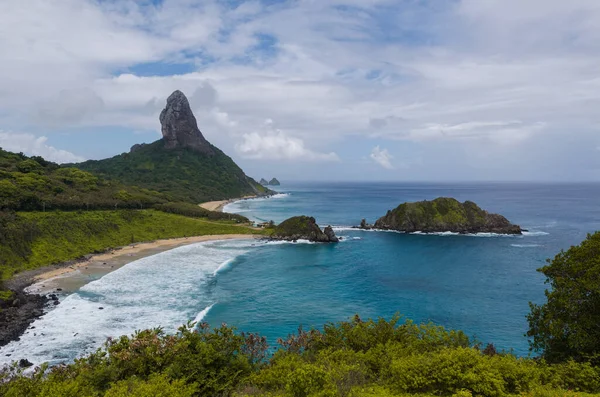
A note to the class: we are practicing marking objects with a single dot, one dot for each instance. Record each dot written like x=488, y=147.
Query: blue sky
x=329, y=90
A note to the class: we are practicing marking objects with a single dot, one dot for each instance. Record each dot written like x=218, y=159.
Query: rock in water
x=444, y=215
x=303, y=228
x=179, y=126
x=274, y=182
x=263, y=182
x=331, y=234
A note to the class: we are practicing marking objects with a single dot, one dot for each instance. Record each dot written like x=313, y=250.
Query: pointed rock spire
x=179, y=126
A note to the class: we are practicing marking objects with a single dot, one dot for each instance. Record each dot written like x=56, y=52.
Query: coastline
x=218, y=205
x=71, y=276
x=36, y=290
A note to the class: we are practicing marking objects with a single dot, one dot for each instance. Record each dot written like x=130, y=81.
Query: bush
x=566, y=326
x=354, y=358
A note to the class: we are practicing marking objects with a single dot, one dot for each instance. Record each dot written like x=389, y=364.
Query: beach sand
x=218, y=205
x=70, y=278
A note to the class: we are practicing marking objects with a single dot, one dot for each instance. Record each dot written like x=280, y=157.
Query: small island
x=272, y=182
x=443, y=214
x=303, y=228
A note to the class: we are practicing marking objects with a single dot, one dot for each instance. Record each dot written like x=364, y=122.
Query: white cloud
x=382, y=157
x=497, y=74
x=71, y=106
x=500, y=132
x=276, y=145
x=36, y=146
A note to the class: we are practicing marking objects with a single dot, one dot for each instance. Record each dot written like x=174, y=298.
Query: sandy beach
x=218, y=205
x=70, y=278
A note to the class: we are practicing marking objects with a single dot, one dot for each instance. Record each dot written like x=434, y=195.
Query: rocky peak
x=179, y=126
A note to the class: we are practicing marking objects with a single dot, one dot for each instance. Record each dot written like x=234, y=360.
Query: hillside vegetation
x=32, y=239
x=181, y=173
x=34, y=184
x=444, y=214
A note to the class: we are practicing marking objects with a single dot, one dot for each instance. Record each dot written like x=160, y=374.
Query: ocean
x=481, y=284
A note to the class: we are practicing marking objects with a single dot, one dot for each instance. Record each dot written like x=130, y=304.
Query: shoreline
x=218, y=205
x=71, y=276
x=35, y=291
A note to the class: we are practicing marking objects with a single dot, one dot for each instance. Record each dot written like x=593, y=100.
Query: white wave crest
x=282, y=242
x=535, y=233
x=200, y=316
x=224, y=266
x=349, y=238
x=237, y=206
x=160, y=290
x=418, y=233
x=524, y=245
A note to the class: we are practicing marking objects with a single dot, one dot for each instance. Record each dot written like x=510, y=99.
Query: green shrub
x=566, y=326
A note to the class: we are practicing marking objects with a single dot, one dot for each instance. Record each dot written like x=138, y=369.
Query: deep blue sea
x=480, y=284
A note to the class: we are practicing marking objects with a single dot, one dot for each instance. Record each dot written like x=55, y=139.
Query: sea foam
x=203, y=314
x=443, y=234
x=167, y=290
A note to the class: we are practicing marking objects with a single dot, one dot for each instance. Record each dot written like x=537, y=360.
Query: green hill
x=34, y=184
x=444, y=214
x=181, y=173
x=182, y=165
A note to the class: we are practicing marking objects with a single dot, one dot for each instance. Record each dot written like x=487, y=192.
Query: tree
x=567, y=326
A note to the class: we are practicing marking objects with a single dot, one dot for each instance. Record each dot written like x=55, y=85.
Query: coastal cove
x=272, y=287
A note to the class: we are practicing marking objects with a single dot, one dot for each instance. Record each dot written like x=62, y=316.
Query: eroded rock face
x=179, y=126
x=303, y=228
x=331, y=234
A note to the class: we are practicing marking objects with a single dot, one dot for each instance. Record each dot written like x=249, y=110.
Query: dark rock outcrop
x=444, y=215
x=274, y=182
x=136, y=147
x=179, y=126
x=303, y=228
x=330, y=234
x=364, y=225
x=17, y=314
x=263, y=182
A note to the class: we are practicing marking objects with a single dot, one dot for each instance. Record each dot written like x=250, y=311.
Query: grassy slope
x=183, y=174
x=44, y=238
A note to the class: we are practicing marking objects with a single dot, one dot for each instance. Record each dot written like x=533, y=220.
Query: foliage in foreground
x=32, y=239
x=567, y=326
x=355, y=358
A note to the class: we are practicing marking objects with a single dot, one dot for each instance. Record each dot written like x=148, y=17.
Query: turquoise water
x=480, y=284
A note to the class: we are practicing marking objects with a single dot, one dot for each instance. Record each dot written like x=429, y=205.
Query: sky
x=382, y=90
